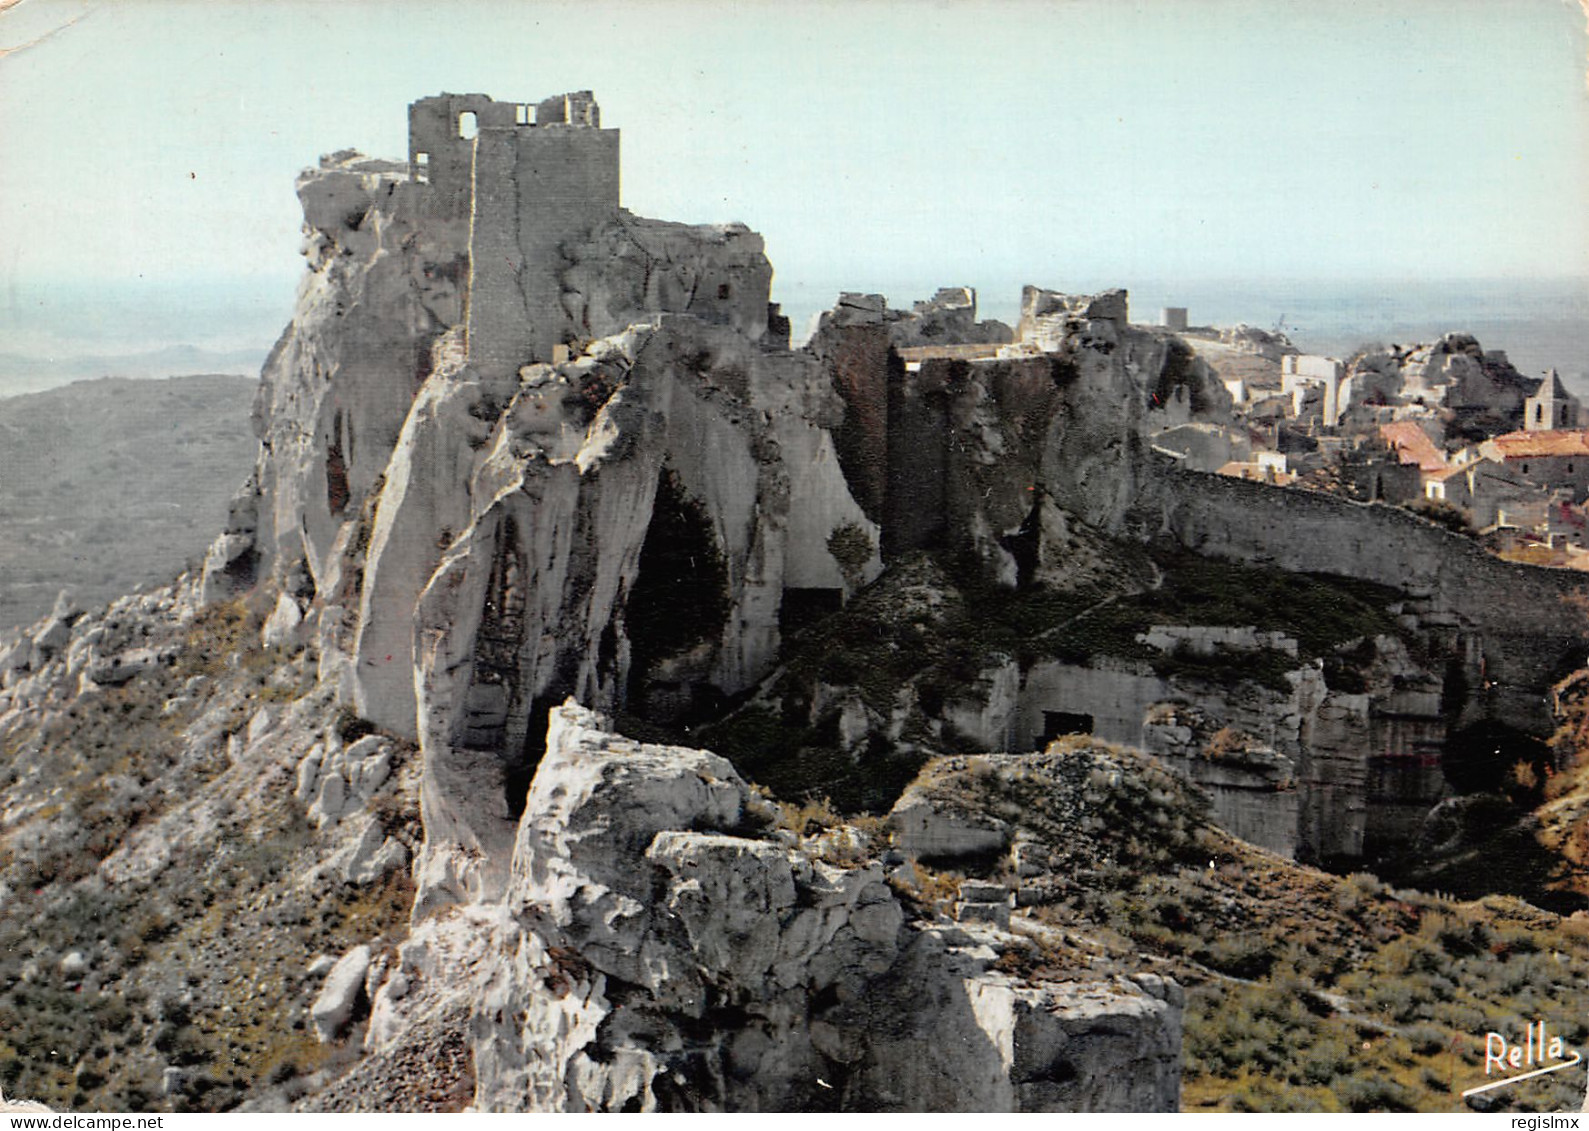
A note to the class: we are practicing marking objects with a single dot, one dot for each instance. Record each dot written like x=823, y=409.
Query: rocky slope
x=109, y=485
x=664, y=945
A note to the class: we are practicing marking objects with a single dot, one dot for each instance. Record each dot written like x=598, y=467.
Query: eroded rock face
x=624, y=534
x=660, y=948
x=466, y=540
x=951, y=438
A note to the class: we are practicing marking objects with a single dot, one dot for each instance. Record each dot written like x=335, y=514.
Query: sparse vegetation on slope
x=158, y=899
x=926, y=635
x=111, y=484
x=1305, y=991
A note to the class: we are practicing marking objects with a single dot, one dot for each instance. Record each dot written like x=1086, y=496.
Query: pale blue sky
x=871, y=140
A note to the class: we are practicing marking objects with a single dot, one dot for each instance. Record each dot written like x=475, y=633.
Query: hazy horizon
x=1069, y=144
x=51, y=335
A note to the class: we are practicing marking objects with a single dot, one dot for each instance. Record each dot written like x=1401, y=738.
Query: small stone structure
x=1210, y=640
x=1297, y=371
x=1551, y=407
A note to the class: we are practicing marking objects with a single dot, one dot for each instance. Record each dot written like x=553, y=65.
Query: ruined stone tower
x=530, y=179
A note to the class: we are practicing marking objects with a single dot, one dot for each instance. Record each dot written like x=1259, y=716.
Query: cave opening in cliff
x=1057, y=724
x=1491, y=757
x=677, y=609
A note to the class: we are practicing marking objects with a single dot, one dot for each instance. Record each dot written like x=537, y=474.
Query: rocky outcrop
x=1455, y=372
x=667, y=431
x=643, y=499
x=663, y=947
x=341, y=994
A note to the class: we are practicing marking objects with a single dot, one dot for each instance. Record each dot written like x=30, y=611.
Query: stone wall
x=439, y=153
x=536, y=190
x=1527, y=637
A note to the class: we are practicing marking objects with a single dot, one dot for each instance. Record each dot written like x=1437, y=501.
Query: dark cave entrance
x=518, y=773
x=1488, y=758
x=1057, y=724
x=676, y=611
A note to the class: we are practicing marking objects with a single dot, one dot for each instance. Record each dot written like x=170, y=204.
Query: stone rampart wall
x=1528, y=635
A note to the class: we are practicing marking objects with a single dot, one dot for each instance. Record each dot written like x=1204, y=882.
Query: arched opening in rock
x=676, y=610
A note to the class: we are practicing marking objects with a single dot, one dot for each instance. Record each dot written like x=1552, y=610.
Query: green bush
x=350, y=727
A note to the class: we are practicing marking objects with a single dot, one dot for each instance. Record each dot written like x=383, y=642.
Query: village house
x=1304, y=373
x=1549, y=459
x=1484, y=489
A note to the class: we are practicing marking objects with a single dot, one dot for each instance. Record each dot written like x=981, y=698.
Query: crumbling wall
x=441, y=146
x=1528, y=637
x=632, y=269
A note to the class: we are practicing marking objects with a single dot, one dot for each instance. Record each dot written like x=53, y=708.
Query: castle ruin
x=534, y=182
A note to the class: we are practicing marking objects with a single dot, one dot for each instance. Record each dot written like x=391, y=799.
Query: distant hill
x=113, y=484
x=26, y=373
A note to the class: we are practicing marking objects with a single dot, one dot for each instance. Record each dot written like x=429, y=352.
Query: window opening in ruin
x=1056, y=724
x=1539, y=413
x=722, y=290
x=521, y=115
x=422, y=167
x=468, y=125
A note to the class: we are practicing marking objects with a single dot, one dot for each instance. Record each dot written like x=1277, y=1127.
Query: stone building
x=1552, y=407
x=1549, y=459
x=1298, y=371
x=538, y=187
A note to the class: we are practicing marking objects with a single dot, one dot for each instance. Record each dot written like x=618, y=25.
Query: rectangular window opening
x=1057, y=724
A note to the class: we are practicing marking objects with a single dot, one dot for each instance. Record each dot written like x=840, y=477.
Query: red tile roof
x=1413, y=445
x=1523, y=445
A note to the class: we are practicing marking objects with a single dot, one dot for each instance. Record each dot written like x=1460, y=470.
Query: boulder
x=341, y=994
